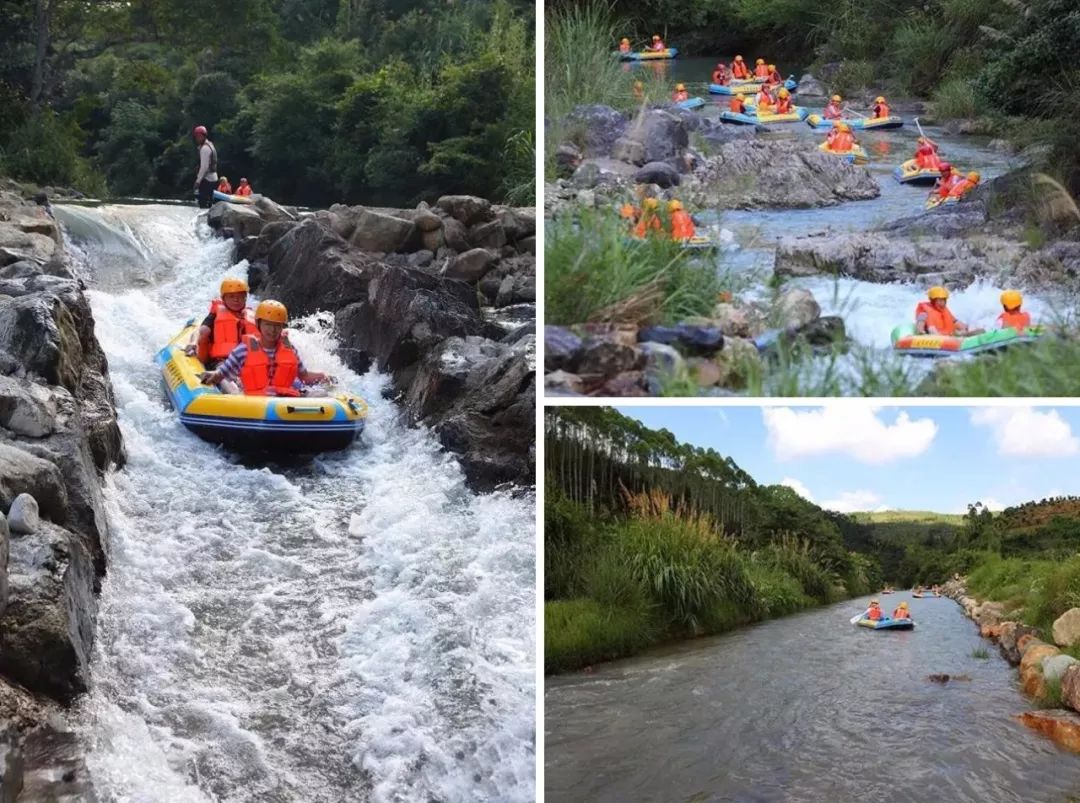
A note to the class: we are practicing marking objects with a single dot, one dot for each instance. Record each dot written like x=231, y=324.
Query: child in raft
x=1011, y=301
x=874, y=612
x=901, y=611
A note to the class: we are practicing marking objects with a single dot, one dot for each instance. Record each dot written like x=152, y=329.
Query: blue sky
x=853, y=456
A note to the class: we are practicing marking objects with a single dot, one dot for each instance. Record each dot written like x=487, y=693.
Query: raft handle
x=292, y=408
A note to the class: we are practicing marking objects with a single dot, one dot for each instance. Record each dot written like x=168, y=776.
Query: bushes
x=580, y=632
x=44, y=149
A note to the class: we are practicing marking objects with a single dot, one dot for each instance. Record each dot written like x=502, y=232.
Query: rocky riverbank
x=58, y=435
x=1046, y=673
x=440, y=297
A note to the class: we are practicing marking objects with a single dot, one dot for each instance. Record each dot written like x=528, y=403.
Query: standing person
x=206, y=178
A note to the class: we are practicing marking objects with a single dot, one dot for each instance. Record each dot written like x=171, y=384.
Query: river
x=804, y=708
x=357, y=627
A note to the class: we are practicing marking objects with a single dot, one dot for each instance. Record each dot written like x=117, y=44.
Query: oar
x=856, y=618
x=923, y=133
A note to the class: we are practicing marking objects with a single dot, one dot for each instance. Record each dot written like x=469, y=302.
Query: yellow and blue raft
x=290, y=425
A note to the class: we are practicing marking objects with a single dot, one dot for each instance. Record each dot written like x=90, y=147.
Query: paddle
x=923, y=133
x=855, y=619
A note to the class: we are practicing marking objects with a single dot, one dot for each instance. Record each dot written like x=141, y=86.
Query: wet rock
x=797, y=308
x=23, y=516
x=17, y=245
x=811, y=87
x=1031, y=676
x=1066, y=629
x=516, y=290
x=471, y=266
x=23, y=473
x=259, y=248
x=242, y=219
x=52, y=766
x=599, y=127
x=561, y=381
x=562, y=348
x=467, y=209
x=26, y=408
x=603, y=357
x=378, y=232
x=4, y=548
x=568, y=157
x=739, y=362
x=1053, y=668
x=20, y=270
x=692, y=340
x=660, y=173
x=1063, y=727
x=653, y=136
x=310, y=268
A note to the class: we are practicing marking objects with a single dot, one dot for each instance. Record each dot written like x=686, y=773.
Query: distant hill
x=909, y=516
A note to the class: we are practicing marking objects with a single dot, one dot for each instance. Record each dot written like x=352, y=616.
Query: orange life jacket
x=832, y=111
x=259, y=375
x=682, y=225
x=629, y=212
x=225, y=187
x=774, y=78
x=926, y=156
x=739, y=70
x=901, y=613
x=881, y=110
x=243, y=189
x=761, y=71
x=720, y=77
x=945, y=185
x=764, y=100
x=647, y=221
x=737, y=104
x=1016, y=319
x=678, y=97
x=783, y=105
x=938, y=321
x=843, y=142
x=960, y=188
x=229, y=328
x=873, y=614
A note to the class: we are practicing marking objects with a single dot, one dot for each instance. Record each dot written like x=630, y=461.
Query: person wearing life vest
x=657, y=43
x=737, y=104
x=624, y=46
x=739, y=68
x=1012, y=317
x=629, y=213
x=228, y=321
x=649, y=220
x=682, y=225
x=244, y=189
x=832, y=109
x=841, y=139
x=224, y=186
x=946, y=182
x=873, y=613
x=720, y=75
x=926, y=155
x=765, y=101
x=206, y=178
x=680, y=94
x=964, y=185
x=901, y=611
x=266, y=364
x=760, y=70
x=783, y=103
x=881, y=108
x=933, y=317
x=774, y=76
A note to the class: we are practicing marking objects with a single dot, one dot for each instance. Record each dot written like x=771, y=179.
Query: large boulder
x=797, y=308
x=1063, y=727
x=596, y=128
x=26, y=408
x=1053, y=667
x=661, y=174
x=466, y=209
x=1066, y=629
x=1070, y=687
x=562, y=348
x=654, y=135
x=48, y=626
x=310, y=268
x=811, y=87
x=1009, y=634
x=1031, y=676
x=383, y=233
x=243, y=219
x=989, y=613
x=24, y=515
x=471, y=266
x=4, y=550
x=23, y=473
x=17, y=245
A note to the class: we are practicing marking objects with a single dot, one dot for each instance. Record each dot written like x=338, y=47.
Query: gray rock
x=811, y=87
x=4, y=549
x=427, y=221
x=23, y=515
x=606, y=358
x=690, y=339
x=467, y=209
x=660, y=173
x=23, y=473
x=471, y=266
x=1054, y=666
x=381, y=233
x=563, y=383
x=599, y=127
x=489, y=235
x=797, y=308
x=562, y=348
x=661, y=361
x=20, y=270
x=527, y=245
x=17, y=245
x=516, y=290
x=653, y=136
x=243, y=219
x=454, y=235
x=26, y=408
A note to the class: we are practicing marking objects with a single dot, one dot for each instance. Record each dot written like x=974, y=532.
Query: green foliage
x=580, y=632
x=777, y=592
x=981, y=653
x=955, y=99
x=44, y=149
x=594, y=271
x=580, y=69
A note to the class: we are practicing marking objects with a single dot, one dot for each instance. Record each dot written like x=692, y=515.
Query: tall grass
x=955, y=99
x=594, y=271
x=579, y=65
x=580, y=632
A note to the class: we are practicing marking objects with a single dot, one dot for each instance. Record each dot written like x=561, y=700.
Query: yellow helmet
x=873, y=602
x=680, y=87
x=760, y=61
x=974, y=176
x=772, y=66
x=1011, y=299
x=879, y=99
x=674, y=205
x=843, y=126
x=784, y=93
x=837, y=98
x=651, y=204
x=903, y=605
x=937, y=292
x=273, y=311
x=624, y=42
x=233, y=286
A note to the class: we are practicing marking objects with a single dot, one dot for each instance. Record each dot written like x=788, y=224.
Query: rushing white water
x=357, y=628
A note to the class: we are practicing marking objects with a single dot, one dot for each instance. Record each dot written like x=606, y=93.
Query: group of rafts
x=236, y=379
x=876, y=619
x=762, y=96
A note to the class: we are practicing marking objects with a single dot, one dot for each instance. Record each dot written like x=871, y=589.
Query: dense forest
x=315, y=101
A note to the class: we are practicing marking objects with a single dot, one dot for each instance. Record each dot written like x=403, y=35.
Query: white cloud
x=798, y=488
x=1026, y=432
x=854, y=502
x=990, y=503
x=854, y=430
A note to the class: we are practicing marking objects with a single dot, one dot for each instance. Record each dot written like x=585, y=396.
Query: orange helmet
x=784, y=93
x=1011, y=299
x=974, y=176
x=843, y=127
x=273, y=311
x=837, y=98
x=674, y=205
x=233, y=286
x=937, y=292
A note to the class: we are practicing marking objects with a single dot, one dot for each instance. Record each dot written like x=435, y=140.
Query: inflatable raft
x=691, y=103
x=649, y=55
x=926, y=596
x=234, y=199
x=905, y=341
x=753, y=118
x=287, y=425
x=856, y=123
x=700, y=242
x=910, y=173
x=746, y=87
x=855, y=156
x=887, y=624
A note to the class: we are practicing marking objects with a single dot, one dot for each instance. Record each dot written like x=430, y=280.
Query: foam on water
x=357, y=628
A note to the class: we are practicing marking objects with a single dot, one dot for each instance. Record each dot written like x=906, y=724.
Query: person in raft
x=874, y=612
x=832, y=109
x=946, y=181
x=783, y=103
x=266, y=364
x=926, y=155
x=901, y=611
x=765, y=100
x=720, y=75
x=881, y=108
x=760, y=70
x=680, y=94
x=774, y=75
x=965, y=185
x=244, y=189
x=224, y=186
x=840, y=139
x=657, y=43
x=624, y=46
x=933, y=317
x=649, y=220
x=737, y=104
x=226, y=325
x=206, y=178
x=1012, y=317
x=739, y=69
x=682, y=225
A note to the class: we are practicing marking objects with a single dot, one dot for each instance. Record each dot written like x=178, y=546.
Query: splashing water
x=356, y=628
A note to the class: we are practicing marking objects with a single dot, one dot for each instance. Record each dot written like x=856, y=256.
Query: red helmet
x=945, y=167
x=197, y=130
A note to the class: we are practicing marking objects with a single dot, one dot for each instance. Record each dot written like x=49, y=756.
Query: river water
x=805, y=708
x=358, y=627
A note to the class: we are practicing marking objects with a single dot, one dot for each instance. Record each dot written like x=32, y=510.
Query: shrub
x=579, y=632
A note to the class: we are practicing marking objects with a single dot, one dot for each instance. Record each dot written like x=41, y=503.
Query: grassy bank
x=617, y=584
x=1039, y=590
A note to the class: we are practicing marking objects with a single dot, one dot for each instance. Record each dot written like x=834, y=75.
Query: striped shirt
x=230, y=367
